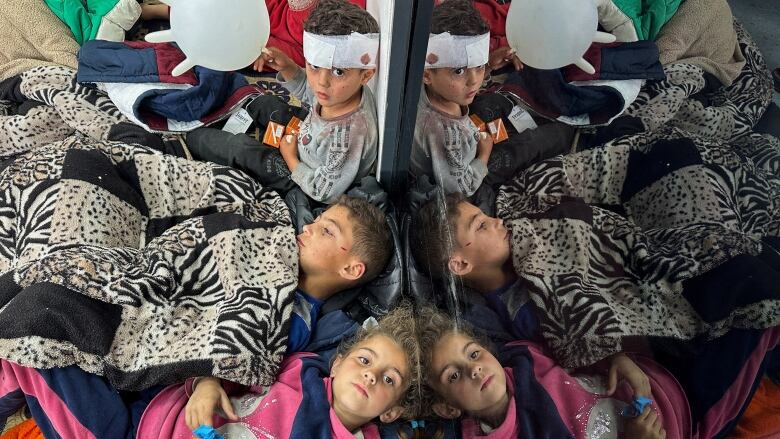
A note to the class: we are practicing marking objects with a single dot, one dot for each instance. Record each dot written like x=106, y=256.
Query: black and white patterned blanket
x=683, y=99
x=658, y=234
x=142, y=267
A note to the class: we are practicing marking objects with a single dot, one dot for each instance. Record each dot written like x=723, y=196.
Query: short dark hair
x=372, y=240
x=458, y=17
x=433, y=233
x=339, y=17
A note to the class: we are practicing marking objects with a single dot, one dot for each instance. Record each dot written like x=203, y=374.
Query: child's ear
x=427, y=76
x=353, y=271
x=366, y=75
x=336, y=364
x=459, y=266
x=445, y=410
x=392, y=414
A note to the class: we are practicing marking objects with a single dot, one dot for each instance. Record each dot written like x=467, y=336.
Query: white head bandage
x=453, y=51
x=353, y=51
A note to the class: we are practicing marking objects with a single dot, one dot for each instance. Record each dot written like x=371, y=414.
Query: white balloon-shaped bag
x=550, y=34
x=217, y=34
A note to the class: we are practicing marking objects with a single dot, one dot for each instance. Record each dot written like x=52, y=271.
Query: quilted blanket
x=662, y=234
x=142, y=267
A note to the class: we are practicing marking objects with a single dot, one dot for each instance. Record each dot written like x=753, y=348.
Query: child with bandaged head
x=336, y=142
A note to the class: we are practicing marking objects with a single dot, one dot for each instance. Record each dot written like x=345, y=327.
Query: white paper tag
x=238, y=123
x=521, y=119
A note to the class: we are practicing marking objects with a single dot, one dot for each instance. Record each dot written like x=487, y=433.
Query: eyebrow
x=473, y=218
x=465, y=348
x=335, y=224
x=394, y=369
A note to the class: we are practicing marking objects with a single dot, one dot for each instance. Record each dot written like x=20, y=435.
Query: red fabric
x=762, y=417
x=495, y=16
x=26, y=430
x=287, y=17
x=168, y=57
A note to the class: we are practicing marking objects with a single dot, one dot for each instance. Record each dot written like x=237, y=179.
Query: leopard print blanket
x=682, y=101
x=663, y=234
x=69, y=107
x=142, y=267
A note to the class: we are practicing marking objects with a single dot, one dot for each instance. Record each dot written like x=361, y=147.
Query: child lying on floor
x=372, y=376
x=462, y=241
x=529, y=395
x=336, y=142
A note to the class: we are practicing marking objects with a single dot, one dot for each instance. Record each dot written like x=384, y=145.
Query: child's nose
x=476, y=371
x=472, y=76
x=369, y=377
x=324, y=78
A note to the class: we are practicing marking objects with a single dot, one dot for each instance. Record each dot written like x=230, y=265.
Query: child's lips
x=361, y=390
x=486, y=383
x=300, y=241
x=322, y=96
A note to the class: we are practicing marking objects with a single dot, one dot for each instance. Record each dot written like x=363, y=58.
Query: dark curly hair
x=339, y=17
x=458, y=17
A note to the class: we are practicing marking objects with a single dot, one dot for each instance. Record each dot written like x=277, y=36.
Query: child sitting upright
x=447, y=145
x=336, y=142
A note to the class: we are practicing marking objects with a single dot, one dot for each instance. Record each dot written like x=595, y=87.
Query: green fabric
x=82, y=16
x=648, y=16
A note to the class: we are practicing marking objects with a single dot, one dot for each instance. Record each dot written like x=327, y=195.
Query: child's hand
x=645, y=426
x=484, y=146
x=204, y=400
x=289, y=149
x=503, y=56
x=277, y=60
x=624, y=367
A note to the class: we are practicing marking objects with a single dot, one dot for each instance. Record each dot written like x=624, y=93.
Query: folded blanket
x=137, y=76
x=702, y=34
x=620, y=242
x=142, y=267
x=32, y=36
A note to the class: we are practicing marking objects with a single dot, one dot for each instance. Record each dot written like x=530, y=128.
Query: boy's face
x=370, y=380
x=458, y=85
x=466, y=375
x=325, y=245
x=336, y=87
x=482, y=240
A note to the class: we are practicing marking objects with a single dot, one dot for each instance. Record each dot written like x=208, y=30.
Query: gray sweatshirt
x=333, y=152
x=445, y=148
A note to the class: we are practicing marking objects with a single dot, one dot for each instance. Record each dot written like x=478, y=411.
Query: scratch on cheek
x=343, y=248
x=467, y=245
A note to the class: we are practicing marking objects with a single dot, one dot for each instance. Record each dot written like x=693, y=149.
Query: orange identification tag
x=273, y=134
x=496, y=128
x=275, y=131
x=477, y=122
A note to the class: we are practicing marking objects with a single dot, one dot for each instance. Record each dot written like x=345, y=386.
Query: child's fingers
x=612, y=381
x=227, y=407
x=645, y=414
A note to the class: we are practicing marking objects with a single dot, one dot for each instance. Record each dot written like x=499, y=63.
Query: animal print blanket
x=685, y=100
x=662, y=234
x=142, y=267
x=69, y=107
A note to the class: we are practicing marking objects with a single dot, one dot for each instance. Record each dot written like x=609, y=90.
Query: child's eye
x=339, y=72
x=328, y=232
x=363, y=360
x=453, y=377
x=459, y=71
x=313, y=67
x=482, y=225
x=388, y=380
x=474, y=355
